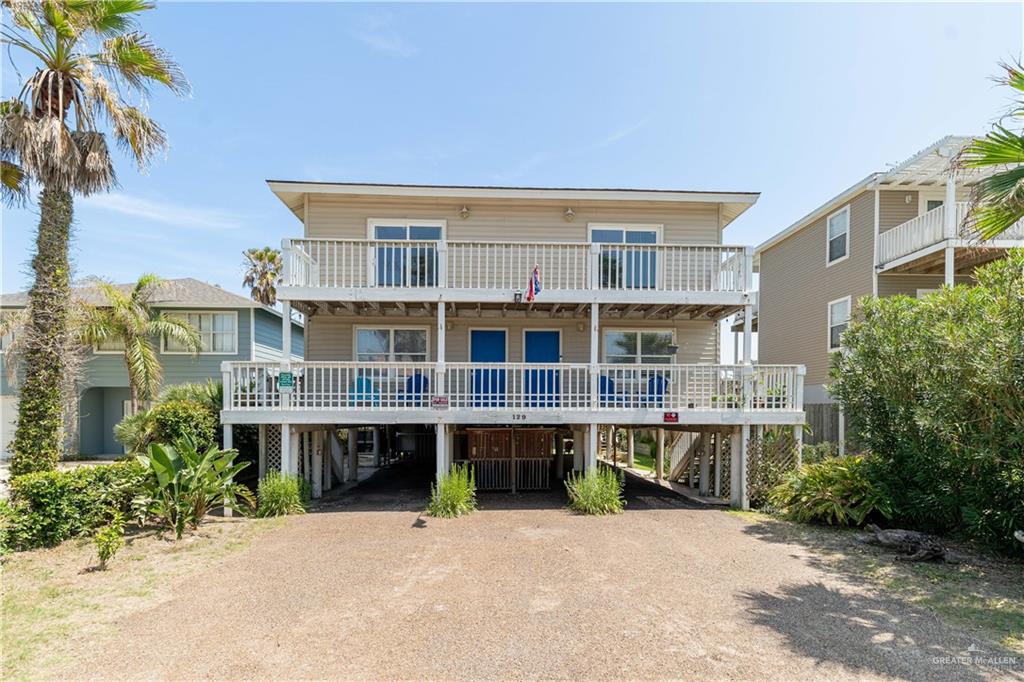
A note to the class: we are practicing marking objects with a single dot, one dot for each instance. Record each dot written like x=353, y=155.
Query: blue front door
x=488, y=345
x=542, y=385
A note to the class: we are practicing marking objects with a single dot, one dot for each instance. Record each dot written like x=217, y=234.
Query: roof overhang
x=293, y=193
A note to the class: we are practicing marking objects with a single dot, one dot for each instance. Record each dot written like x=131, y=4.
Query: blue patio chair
x=607, y=395
x=654, y=396
x=363, y=393
x=416, y=388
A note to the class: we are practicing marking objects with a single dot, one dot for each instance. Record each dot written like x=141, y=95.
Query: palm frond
x=13, y=184
x=143, y=366
x=110, y=17
x=135, y=59
x=145, y=287
x=177, y=330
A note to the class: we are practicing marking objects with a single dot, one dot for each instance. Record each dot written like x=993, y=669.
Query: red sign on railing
x=670, y=417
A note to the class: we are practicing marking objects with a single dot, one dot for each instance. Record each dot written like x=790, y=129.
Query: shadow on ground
x=878, y=639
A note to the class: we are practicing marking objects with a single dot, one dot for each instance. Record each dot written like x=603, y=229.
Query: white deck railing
x=928, y=229
x=564, y=266
x=511, y=386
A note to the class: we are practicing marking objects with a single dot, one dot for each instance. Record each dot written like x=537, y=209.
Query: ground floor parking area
x=367, y=587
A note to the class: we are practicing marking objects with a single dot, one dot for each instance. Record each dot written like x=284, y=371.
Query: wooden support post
x=353, y=454
x=579, y=447
x=718, y=463
x=262, y=439
x=228, y=444
x=949, y=228
x=798, y=439
x=591, y=447
x=659, y=459
x=293, y=455
x=317, y=467
x=630, y=449
x=613, y=446
x=376, y=446
x=327, y=443
x=559, y=456
x=692, y=472
x=441, y=450
x=515, y=470
x=705, y=463
x=738, y=472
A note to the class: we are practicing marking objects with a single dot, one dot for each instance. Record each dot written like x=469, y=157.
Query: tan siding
x=893, y=284
x=346, y=218
x=894, y=208
x=796, y=288
x=331, y=337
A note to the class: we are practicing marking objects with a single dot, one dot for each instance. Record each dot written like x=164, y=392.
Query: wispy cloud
x=166, y=212
x=523, y=168
x=621, y=133
x=378, y=33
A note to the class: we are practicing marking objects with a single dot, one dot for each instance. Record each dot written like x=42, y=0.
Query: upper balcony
x=917, y=246
x=500, y=272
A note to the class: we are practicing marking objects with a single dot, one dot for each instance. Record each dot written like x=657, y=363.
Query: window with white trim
x=838, y=321
x=218, y=332
x=638, y=347
x=838, y=235
x=111, y=344
x=374, y=344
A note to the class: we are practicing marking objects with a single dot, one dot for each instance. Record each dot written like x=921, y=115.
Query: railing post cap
x=225, y=366
x=286, y=243
x=801, y=370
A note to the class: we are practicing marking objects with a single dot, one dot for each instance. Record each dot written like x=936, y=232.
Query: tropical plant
x=262, y=273
x=997, y=200
x=86, y=57
x=186, y=484
x=128, y=320
x=281, y=494
x=836, y=491
x=934, y=389
x=109, y=539
x=598, y=491
x=210, y=393
x=454, y=494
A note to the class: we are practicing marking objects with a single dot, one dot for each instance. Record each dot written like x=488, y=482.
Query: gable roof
x=927, y=168
x=293, y=192
x=185, y=293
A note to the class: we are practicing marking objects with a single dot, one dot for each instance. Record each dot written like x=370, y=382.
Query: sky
x=794, y=101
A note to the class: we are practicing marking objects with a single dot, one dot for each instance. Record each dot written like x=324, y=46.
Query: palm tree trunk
x=135, y=394
x=38, y=439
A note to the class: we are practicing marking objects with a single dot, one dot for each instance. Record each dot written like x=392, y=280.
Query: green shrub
x=599, y=491
x=209, y=393
x=135, y=432
x=836, y=491
x=109, y=539
x=48, y=507
x=281, y=494
x=454, y=494
x=177, y=420
x=934, y=388
x=185, y=484
x=819, y=452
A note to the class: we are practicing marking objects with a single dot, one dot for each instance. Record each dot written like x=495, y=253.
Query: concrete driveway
x=368, y=588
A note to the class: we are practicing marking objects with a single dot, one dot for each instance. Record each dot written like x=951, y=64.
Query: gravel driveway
x=366, y=587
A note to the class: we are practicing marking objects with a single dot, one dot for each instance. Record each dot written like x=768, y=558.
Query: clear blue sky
x=794, y=101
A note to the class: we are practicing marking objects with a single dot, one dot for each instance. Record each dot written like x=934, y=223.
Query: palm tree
x=88, y=56
x=997, y=201
x=128, y=319
x=262, y=273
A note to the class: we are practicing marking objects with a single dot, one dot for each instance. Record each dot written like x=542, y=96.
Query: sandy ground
x=367, y=587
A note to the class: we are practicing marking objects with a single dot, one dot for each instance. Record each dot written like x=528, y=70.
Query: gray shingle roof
x=185, y=292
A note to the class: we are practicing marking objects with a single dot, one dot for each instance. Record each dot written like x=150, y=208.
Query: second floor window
x=838, y=321
x=218, y=332
x=403, y=266
x=638, y=347
x=110, y=345
x=838, y=236
x=391, y=345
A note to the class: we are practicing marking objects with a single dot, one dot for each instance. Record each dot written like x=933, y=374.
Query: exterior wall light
x=517, y=297
x=570, y=215
x=464, y=212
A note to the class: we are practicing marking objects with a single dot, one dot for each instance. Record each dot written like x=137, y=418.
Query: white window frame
x=828, y=239
x=190, y=311
x=373, y=223
x=636, y=330
x=926, y=195
x=391, y=343
x=828, y=321
x=657, y=228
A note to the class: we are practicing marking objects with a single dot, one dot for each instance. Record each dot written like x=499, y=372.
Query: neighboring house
x=901, y=231
x=507, y=326
x=231, y=328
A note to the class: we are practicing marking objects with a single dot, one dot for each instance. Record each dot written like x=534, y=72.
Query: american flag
x=534, y=287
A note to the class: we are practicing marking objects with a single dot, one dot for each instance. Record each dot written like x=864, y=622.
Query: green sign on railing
x=286, y=382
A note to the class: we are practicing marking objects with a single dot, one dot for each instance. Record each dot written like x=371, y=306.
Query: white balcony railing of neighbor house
x=928, y=229
x=564, y=266
x=514, y=386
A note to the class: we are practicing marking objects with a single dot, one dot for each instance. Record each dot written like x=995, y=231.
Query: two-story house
x=231, y=327
x=509, y=325
x=900, y=231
